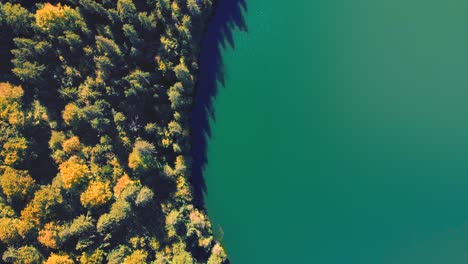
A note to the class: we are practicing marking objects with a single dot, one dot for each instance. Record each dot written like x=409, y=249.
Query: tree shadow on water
x=227, y=18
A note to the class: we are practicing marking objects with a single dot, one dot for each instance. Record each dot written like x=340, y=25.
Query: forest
x=95, y=103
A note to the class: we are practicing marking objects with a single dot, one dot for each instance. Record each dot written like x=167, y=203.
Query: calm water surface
x=341, y=135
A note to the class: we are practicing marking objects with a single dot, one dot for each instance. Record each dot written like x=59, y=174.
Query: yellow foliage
x=180, y=164
x=59, y=259
x=16, y=183
x=8, y=230
x=166, y=142
x=14, y=150
x=121, y=184
x=161, y=65
x=49, y=236
x=98, y=193
x=218, y=255
x=25, y=227
x=16, y=116
x=142, y=155
x=96, y=257
x=180, y=255
x=183, y=189
x=137, y=242
x=41, y=207
x=71, y=145
x=48, y=14
x=71, y=113
x=198, y=219
x=175, y=10
x=9, y=92
x=10, y=104
x=137, y=257
x=117, y=168
x=73, y=172
x=38, y=113
x=134, y=159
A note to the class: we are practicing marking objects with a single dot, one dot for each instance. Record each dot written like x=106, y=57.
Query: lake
x=341, y=133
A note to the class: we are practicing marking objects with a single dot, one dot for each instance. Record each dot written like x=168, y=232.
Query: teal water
x=341, y=135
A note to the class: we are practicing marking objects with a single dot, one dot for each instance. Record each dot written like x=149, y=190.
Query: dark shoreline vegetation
x=95, y=113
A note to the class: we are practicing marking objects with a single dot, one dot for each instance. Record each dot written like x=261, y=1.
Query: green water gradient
x=341, y=135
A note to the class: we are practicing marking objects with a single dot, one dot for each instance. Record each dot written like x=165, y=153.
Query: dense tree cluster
x=95, y=100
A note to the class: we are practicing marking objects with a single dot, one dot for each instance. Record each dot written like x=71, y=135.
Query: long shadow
x=227, y=18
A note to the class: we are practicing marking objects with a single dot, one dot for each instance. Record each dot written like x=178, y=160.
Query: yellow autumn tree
x=10, y=104
x=48, y=14
x=71, y=145
x=121, y=184
x=49, y=236
x=59, y=259
x=16, y=183
x=94, y=258
x=14, y=151
x=41, y=206
x=71, y=114
x=137, y=257
x=8, y=230
x=74, y=171
x=98, y=193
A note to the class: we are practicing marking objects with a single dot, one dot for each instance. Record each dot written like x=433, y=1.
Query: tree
x=142, y=156
x=49, y=236
x=181, y=256
x=218, y=255
x=14, y=151
x=23, y=255
x=106, y=46
x=71, y=145
x=55, y=19
x=9, y=93
x=97, y=194
x=59, y=259
x=10, y=104
x=71, y=114
x=97, y=257
x=17, y=18
x=9, y=230
x=193, y=7
x=138, y=82
x=121, y=184
x=79, y=227
x=16, y=184
x=137, y=257
x=93, y=8
x=182, y=72
x=120, y=211
x=48, y=14
x=127, y=10
x=144, y=197
x=74, y=171
x=176, y=97
x=42, y=206
x=131, y=34
x=118, y=255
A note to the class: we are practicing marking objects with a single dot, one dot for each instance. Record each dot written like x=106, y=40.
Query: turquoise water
x=341, y=134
